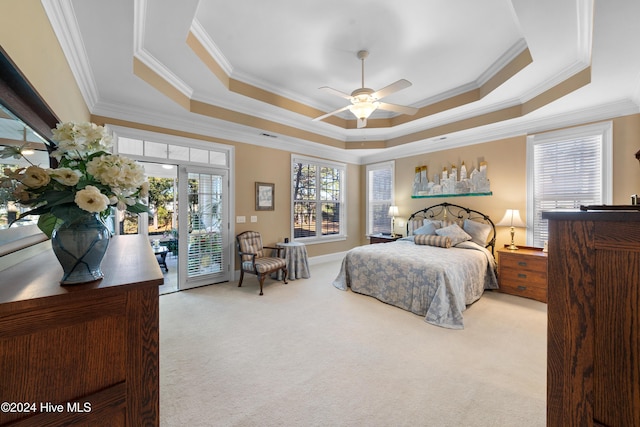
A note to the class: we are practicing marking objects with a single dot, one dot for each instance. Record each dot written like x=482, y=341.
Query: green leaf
x=138, y=208
x=47, y=223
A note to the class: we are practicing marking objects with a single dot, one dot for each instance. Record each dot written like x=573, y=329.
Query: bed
x=443, y=265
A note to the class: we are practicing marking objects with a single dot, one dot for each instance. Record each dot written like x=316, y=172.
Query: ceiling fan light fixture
x=363, y=109
x=365, y=100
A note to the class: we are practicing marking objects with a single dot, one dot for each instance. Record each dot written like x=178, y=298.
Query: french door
x=203, y=219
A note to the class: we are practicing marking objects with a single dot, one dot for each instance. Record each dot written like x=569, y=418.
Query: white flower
x=91, y=199
x=82, y=151
x=66, y=176
x=35, y=177
x=76, y=140
x=116, y=171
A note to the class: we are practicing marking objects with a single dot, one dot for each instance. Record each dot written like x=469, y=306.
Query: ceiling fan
x=365, y=101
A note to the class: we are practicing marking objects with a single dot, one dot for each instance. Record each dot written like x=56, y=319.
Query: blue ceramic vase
x=80, y=246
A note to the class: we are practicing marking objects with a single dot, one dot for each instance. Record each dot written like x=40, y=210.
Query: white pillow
x=455, y=233
x=478, y=231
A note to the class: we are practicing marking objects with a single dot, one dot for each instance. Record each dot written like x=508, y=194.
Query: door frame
x=144, y=136
x=184, y=282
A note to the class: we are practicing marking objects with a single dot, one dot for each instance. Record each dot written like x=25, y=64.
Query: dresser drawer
x=524, y=289
x=531, y=277
x=525, y=263
x=523, y=273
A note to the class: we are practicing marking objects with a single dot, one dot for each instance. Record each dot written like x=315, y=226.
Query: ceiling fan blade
x=392, y=88
x=331, y=113
x=398, y=108
x=335, y=92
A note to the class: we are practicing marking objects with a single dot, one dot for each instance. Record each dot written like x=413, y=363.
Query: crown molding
x=210, y=46
x=584, y=10
x=239, y=133
x=65, y=25
x=163, y=72
x=507, y=57
x=507, y=129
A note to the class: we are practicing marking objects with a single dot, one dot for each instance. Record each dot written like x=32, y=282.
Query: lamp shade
x=393, y=211
x=363, y=109
x=511, y=218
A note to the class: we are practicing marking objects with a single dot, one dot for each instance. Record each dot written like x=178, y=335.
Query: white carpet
x=308, y=354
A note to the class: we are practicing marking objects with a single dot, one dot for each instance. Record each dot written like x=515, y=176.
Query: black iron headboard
x=454, y=212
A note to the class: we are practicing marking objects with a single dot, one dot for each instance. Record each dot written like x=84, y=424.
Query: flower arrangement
x=88, y=178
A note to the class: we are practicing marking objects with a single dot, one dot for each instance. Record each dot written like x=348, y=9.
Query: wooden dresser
x=523, y=272
x=593, y=356
x=84, y=354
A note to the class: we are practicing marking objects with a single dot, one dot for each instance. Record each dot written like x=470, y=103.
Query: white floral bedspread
x=434, y=282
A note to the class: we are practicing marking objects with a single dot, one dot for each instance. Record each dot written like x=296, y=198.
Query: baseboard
x=320, y=259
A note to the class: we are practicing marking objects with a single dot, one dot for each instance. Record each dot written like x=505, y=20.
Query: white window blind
x=379, y=197
x=568, y=171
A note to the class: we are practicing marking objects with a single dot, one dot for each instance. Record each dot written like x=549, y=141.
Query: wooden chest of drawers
x=523, y=272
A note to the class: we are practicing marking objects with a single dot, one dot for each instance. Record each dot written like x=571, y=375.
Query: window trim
x=342, y=167
x=373, y=167
x=603, y=129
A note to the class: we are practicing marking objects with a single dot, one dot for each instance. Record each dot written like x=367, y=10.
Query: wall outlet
x=254, y=218
x=241, y=219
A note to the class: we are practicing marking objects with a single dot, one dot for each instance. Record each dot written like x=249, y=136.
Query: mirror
x=25, y=120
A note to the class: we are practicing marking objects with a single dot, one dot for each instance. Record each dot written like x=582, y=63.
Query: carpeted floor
x=308, y=354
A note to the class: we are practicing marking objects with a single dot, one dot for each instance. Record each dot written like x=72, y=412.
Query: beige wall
x=27, y=37
x=626, y=169
x=259, y=164
x=506, y=170
x=506, y=161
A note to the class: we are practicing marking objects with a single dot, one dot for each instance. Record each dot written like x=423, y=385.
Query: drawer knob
x=522, y=263
x=522, y=275
x=522, y=288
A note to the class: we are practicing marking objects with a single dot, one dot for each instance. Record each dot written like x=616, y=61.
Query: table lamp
x=393, y=212
x=512, y=219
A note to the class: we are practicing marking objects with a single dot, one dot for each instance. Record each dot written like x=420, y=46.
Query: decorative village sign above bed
x=452, y=182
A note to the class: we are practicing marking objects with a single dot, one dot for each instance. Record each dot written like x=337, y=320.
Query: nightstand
x=383, y=238
x=523, y=272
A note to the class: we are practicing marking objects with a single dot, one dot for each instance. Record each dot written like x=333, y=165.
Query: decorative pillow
x=478, y=231
x=448, y=222
x=455, y=233
x=432, y=240
x=414, y=224
x=428, y=228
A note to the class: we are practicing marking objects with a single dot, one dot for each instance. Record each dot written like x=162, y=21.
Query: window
x=318, y=199
x=565, y=170
x=379, y=197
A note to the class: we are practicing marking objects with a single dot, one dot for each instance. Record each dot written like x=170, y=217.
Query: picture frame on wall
x=265, y=196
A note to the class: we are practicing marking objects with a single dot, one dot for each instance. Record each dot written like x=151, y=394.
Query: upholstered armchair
x=254, y=260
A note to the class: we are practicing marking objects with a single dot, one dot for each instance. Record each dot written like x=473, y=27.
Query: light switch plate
x=241, y=219
x=254, y=218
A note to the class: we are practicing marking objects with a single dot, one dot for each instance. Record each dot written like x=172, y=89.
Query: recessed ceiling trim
x=157, y=81
x=260, y=123
x=158, y=68
x=200, y=35
x=511, y=62
x=505, y=61
x=578, y=80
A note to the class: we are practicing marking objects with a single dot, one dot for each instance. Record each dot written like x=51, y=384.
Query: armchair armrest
x=253, y=256
x=279, y=250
